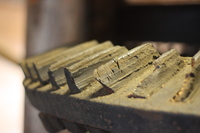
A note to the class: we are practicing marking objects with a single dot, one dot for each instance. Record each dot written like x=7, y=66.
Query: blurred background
x=12, y=51
x=30, y=27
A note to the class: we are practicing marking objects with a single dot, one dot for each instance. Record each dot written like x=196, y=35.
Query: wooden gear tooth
x=191, y=82
x=57, y=68
x=169, y=64
x=28, y=63
x=42, y=67
x=128, y=64
x=71, y=83
x=82, y=71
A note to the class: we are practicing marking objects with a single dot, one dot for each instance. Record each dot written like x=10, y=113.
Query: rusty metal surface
x=116, y=90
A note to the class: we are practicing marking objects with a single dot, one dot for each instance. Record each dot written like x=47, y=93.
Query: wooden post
x=51, y=23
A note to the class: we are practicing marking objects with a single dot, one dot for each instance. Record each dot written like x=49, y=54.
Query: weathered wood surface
x=116, y=90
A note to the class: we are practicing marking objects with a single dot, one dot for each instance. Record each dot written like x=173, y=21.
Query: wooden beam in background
x=162, y=2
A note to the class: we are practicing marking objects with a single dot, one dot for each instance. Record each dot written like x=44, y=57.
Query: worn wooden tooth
x=186, y=89
x=82, y=55
x=24, y=69
x=196, y=61
x=32, y=74
x=70, y=51
x=27, y=82
x=106, y=88
x=71, y=83
x=82, y=71
x=42, y=67
x=57, y=68
x=166, y=66
x=38, y=75
x=27, y=65
x=191, y=82
x=130, y=63
x=53, y=81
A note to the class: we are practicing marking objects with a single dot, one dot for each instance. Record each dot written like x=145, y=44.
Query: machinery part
x=106, y=88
